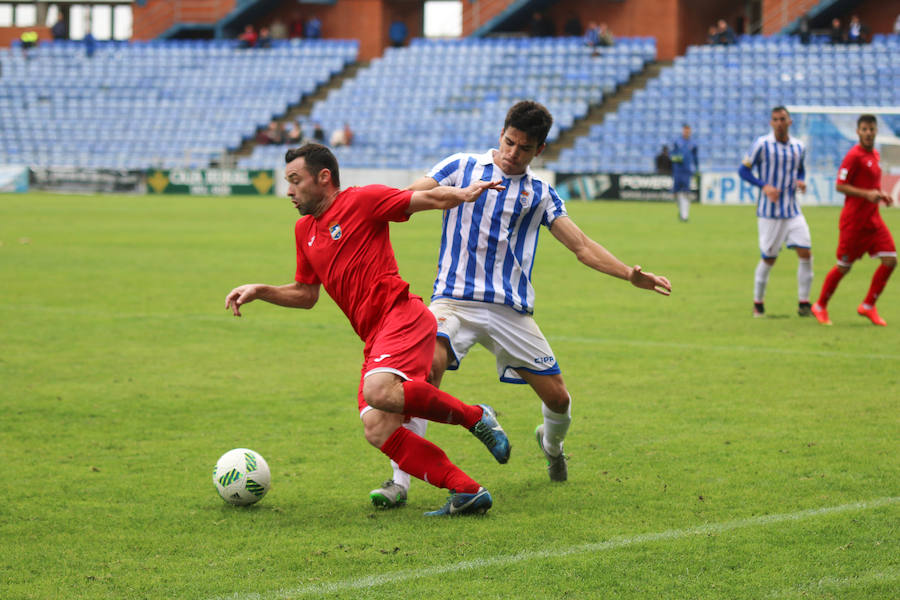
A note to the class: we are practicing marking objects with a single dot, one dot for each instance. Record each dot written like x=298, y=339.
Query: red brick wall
x=10, y=34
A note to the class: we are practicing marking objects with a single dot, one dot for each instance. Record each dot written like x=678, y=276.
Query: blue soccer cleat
x=465, y=504
x=488, y=430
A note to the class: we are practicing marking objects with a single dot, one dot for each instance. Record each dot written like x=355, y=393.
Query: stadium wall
x=8, y=35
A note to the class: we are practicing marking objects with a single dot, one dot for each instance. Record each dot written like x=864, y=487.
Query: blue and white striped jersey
x=781, y=166
x=488, y=246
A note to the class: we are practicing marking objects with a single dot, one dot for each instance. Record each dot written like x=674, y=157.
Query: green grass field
x=712, y=455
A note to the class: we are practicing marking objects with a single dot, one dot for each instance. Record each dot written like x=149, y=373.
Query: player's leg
x=879, y=280
x=771, y=235
x=799, y=239
x=426, y=461
x=556, y=409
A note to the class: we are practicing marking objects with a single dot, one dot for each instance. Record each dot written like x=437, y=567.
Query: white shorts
x=793, y=233
x=512, y=337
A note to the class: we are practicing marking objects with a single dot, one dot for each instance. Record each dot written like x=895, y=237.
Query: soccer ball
x=242, y=477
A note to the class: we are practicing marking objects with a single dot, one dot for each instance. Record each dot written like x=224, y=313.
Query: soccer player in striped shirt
x=862, y=230
x=483, y=293
x=777, y=159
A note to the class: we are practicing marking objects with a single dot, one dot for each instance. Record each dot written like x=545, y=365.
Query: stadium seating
x=417, y=104
x=725, y=93
x=167, y=104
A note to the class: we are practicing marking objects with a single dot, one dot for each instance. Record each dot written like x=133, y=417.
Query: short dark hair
x=317, y=157
x=531, y=118
x=866, y=119
x=781, y=108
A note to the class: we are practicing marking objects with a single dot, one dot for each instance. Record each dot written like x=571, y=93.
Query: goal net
x=830, y=131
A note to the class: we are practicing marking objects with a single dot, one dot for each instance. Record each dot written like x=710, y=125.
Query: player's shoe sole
x=872, y=315
x=488, y=430
x=556, y=465
x=465, y=504
x=821, y=314
x=389, y=495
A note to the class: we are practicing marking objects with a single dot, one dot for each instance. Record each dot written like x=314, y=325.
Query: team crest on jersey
x=523, y=197
x=335, y=230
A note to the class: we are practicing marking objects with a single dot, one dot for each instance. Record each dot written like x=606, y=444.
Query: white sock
x=555, y=427
x=684, y=205
x=417, y=426
x=762, y=279
x=804, y=278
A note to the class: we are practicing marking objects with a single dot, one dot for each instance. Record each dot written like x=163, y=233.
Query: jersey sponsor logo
x=543, y=360
x=381, y=358
x=311, y=240
x=335, y=230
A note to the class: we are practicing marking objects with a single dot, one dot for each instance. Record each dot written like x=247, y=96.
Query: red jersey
x=348, y=250
x=861, y=169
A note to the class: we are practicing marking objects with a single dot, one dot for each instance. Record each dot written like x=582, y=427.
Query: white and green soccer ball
x=242, y=477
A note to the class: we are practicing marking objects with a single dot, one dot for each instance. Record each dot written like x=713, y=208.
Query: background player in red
x=343, y=243
x=862, y=228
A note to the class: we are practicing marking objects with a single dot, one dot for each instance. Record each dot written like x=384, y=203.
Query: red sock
x=879, y=280
x=420, y=458
x=423, y=400
x=831, y=282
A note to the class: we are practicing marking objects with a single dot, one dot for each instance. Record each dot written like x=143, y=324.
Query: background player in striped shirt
x=777, y=159
x=343, y=243
x=483, y=292
x=862, y=229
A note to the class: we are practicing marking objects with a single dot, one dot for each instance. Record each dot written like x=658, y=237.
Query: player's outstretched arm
x=600, y=259
x=442, y=197
x=291, y=295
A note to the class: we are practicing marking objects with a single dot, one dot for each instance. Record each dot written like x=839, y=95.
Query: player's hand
x=771, y=191
x=877, y=196
x=649, y=281
x=801, y=185
x=474, y=191
x=240, y=295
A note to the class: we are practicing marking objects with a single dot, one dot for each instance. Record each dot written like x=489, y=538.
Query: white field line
x=754, y=349
x=322, y=589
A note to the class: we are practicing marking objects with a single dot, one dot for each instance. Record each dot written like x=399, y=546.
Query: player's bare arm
x=592, y=254
x=874, y=195
x=442, y=197
x=801, y=185
x=423, y=184
x=291, y=295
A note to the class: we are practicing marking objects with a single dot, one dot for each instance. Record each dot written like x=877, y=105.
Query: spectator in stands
x=60, y=29
x=275, y=132
x=319, y=133
x=836, y=33
x=664, y=161
x=803, y=30
x=897, y=25
x=725, y=34
x=605, y=36
x=342, y=137
x=29, y=40
x=597, y=36
x=248, y=37
x=294, y=135
x=572, y=27
x=297, y=26
x=313, y=28
x=265, y=38
x=542, y=25
x=279, y=29
x=857, y=33
x=397, y=33
x=90, y=43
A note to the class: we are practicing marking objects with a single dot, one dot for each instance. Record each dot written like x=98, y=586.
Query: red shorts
x=852, y=244
x=404, y=345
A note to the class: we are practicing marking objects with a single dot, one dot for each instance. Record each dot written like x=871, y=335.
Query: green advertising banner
x=211, y=182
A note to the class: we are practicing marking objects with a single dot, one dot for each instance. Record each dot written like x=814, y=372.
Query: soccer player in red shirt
x=343, y=244
x=862, y=228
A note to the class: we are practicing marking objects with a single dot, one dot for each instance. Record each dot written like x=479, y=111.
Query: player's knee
x=889, y=261
x=378, y=427
x=382, y=393
x=558, y=399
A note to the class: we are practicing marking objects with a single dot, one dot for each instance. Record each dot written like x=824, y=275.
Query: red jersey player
x=343, y=244
x=862, y=228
